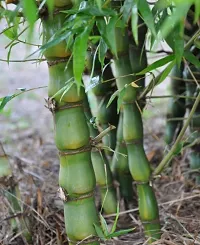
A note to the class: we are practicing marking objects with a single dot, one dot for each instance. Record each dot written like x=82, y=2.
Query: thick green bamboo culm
x=176, y=106
x=102, y=170
x=133, y=136
x=120, y=166
x=192, y=90
x=72, y=138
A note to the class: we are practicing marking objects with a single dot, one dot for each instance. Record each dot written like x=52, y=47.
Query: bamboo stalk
x=133, y=136
x=72, y=138
x=102, y=170
x=176, y=107
x=120, y=166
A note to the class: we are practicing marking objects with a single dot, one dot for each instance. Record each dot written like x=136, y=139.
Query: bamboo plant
x=133, y=137
x=72, y=138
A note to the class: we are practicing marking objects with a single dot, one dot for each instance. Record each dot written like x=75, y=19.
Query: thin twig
x=170, y=154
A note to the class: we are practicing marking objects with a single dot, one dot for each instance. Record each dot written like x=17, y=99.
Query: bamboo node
x=51, y=105
x=58, y=61
x=76, y=151
x=65, y=197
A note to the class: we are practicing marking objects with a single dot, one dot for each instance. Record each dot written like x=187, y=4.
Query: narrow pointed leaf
x=157, y=64
x=120, y=233
x=99, y=232
x=192, y=58
x=116, y=219
x=30, y=11
x=147, y=15
x=5, y=100
x=103, y=225
x=166, y=72
x=114, y=95
x=134, y=23
x=79, y=54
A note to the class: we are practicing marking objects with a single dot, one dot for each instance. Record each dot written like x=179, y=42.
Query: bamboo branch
x=170, y=154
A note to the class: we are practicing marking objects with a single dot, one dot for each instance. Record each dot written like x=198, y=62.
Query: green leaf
x=120, y=233
x=157, y=64
x=99, y=232
x=116, y=219
x=30, y=11
x=166, y=72
x=197, y=10
x=107, y=31
x=179, y=42
x=79, y=54
x=147, y=15
x=134, y=23
x=113, y=96
x=178, y=148
x=9, y=51
x=5, y=100
x=192, y=58
x=127, y=9
x=102, y=51
x=120, y=98
x=179, y=13
x=103, y=225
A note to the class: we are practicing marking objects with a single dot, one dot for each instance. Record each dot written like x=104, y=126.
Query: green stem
x=170, y=154
x=72, y=138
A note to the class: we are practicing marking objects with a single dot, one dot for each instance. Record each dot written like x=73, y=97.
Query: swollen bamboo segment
x=133, y=136
x=72, y=138
x=102, y=171
x=120, y=166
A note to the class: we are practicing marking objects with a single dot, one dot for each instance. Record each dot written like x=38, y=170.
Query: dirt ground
x=26, y=131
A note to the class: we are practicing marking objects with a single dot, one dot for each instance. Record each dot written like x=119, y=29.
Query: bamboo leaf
x=179, y=42
x=99, y=232
x=120, y=98
x=103, y=225
x=79, y=54
x=157, y=64
x=9, y=51
x=180, y=12
x=134, y=23
x=192, y=58
x=113, y=96
x=116, y=219
x=5, y=100
x=107, y=31
x=166, y=72
x=197, y=10
x=147, y=15
x=30, y=11
x=120, y=233
x=102, y=51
